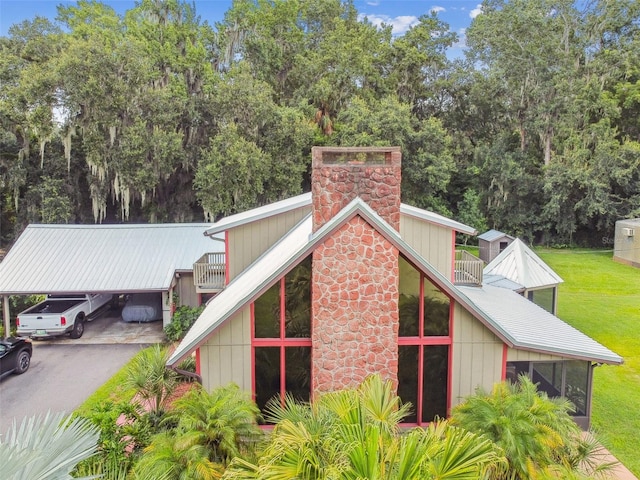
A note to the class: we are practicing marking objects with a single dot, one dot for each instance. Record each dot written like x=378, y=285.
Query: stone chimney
x=355, y=270
x=341, y=174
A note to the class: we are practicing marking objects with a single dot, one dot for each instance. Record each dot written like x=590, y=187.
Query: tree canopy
x=157, y=116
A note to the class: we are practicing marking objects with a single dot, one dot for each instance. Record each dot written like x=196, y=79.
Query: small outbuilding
x=519, y=269
x=626, y=246
x=491, y=243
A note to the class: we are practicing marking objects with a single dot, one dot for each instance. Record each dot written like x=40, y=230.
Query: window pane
x=436, y=311
x=408, y=378
x=543, y=298
x=409, y=289
x=548, y=376
x=266, y=313
x=267, y=368
x=298, y=301
x=298, y=372
x=577, y=385
x=436, y=379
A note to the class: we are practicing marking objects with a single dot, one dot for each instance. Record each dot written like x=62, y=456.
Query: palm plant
x=46, y=447
x=171, y=457
x=355, y=434
x=210, y=429
x=154, y=382
x=534, y=431
x=223, y=421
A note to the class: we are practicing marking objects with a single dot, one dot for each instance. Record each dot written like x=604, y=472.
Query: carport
x=116, y=259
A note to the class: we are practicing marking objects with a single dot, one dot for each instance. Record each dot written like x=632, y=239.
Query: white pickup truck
x=61, y=314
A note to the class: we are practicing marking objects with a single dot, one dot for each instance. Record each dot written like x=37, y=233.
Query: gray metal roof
x=304, y=201
x=492, y=235
x=519, y=264
x=531, y=327
x=500, y=281
x=300, y=241
x=102, y=258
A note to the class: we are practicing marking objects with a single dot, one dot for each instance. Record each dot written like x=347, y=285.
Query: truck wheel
x=23, y=360
x=78, y=328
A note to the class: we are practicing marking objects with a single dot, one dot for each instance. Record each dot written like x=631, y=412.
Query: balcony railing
x=209, y=272
x=468, y=269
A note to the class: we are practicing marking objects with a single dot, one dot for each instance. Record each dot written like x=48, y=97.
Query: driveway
x=60, y=378
x=64, y=372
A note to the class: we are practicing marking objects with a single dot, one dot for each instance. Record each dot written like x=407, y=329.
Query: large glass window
x=544, y=298
x=424, y=345
x=281, y=338
x=569, y=379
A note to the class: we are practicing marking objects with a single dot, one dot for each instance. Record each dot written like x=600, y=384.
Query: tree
x=46, y=447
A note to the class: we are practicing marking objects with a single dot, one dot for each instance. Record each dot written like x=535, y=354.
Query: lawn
x=602, y=299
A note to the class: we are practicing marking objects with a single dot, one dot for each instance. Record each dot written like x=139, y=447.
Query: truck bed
x=52, y=306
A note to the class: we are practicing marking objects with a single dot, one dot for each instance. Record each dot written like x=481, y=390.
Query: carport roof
x=62, y=259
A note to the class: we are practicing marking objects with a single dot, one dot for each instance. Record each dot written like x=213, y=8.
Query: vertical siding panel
x=477, y=355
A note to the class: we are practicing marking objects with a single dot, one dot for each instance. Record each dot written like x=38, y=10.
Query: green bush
x=182, y=320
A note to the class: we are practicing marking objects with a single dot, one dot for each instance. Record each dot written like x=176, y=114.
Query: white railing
x=467, y=269
x=209, y=271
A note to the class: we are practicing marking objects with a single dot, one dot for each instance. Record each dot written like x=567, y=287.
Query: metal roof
x=519, y=264
x=304, y=201
x=500, y=281
x=492, y=235
x=533, y=328
x=300, y=241
x=102, y=258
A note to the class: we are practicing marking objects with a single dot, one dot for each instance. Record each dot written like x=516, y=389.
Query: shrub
x=183, y=318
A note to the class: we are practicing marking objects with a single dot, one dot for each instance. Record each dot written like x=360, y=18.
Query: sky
x=402, y=14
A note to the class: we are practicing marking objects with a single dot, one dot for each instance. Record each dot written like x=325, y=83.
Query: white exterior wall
x=226, y=355
x=433, y=242
x=477, y=356
x=248, y=242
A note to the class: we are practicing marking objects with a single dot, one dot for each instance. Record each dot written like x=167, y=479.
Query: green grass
x=602, y=299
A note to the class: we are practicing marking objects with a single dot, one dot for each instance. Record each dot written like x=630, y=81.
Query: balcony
x=467, y=269
x=209, y=273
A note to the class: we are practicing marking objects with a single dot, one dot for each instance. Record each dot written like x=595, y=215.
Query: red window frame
x=422, y=341
x=282, y=342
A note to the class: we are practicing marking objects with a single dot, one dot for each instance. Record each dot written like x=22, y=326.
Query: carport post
x=6, y=315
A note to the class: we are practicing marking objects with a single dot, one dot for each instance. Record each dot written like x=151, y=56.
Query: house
x=171, y=260
x=517, y=267
x=626, y=245
x=491, y=243
x=329, y=287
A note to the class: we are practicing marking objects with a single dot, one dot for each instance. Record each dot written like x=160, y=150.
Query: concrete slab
x=108, y=328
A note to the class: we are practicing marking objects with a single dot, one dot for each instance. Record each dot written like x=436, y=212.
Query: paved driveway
x=60, y=378
x=65, y=372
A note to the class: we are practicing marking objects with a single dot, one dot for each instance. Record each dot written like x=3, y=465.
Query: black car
x=15, y=355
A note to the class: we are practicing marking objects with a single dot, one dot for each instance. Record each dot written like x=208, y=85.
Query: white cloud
x=476, y=11
x=373, y=3
x=462, y=39
x=437, y=9
x=399, y=24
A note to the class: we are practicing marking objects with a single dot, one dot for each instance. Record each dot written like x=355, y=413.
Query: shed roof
x=491, y=235
x=521, y=265
x=533, y=328
x=102, y=258
x=304, y=201
x=300, y=241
